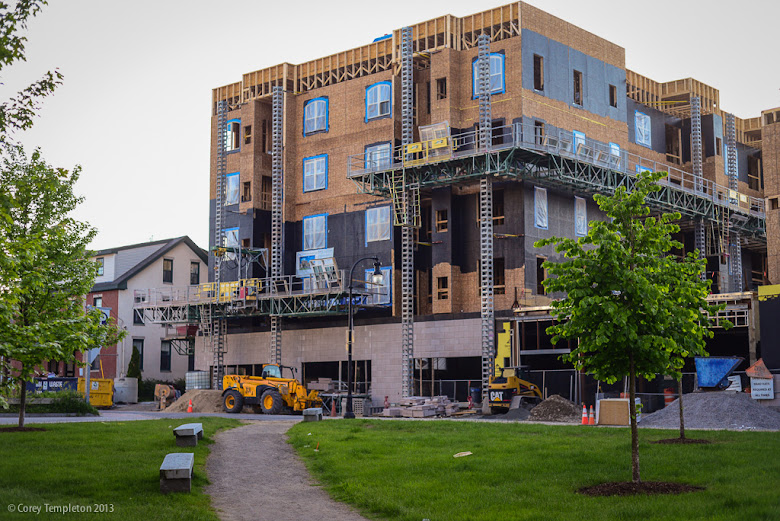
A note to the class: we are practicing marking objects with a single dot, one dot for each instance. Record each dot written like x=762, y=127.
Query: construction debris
x=715, y=410
x=556, y=409
x=422, y=407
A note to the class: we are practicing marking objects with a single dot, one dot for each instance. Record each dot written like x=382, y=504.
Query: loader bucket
x=712, y=372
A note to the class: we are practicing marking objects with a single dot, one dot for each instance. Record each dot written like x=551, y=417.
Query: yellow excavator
x=268, y=393
x=506, y=386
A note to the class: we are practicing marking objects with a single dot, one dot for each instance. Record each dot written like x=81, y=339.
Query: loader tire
x=232, y=401
x=271, y=402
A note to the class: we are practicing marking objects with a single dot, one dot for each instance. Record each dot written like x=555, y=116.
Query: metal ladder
x=277, y=207
x=406, y=202
x=217, y=329
x=735, y=248
x=698, y=176
x=487, y=305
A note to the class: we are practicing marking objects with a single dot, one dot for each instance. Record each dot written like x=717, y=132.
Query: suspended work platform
x=557, y=159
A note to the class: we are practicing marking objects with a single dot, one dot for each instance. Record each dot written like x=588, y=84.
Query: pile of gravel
x=715, y=410
x=556, y=409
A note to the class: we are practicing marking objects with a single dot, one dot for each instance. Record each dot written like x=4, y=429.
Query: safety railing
x=558, y=142
x=247, y=290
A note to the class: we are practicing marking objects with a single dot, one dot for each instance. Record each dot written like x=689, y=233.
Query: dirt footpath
x=256, y=475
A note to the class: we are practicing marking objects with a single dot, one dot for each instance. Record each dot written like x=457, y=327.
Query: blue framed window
x=233, y=135
x=315, y=116
x=614, y=149
x=378, y=104
x=642, y=129
x=378, y=156
x=315, y=232
x=315, y=173
x=230, y=239
x=579, y=139
x=540, y=208
x=231, y=188
x=378, y=227
x=386, y=291
x=497, y=83
x=580, y=217
x=640, y=169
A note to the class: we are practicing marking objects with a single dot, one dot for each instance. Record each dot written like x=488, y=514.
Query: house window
x=577, y=85
x=315, y=173
x=230, y=240
x=247, y=134
x=613, y=96
x=168, y=271
x=540, y=207
x=614, y=149
x=378, y=224
x=315, y=232
x=579, y=140
x=384, y=295
x=264, y=136
x=378, y=100
x=718, y=145
x=541, y=274
x=499, y=280
x=97, y=302
x=538, y=72
x=496, y=75
x=441, y=88
x=378, y=156
x=443, y=289
x=165, y=355
x=498, y=207
x=194, y=273
x=138, y=343
x=442, y=224
x=100, y=262
x=315, y=116
x=232, y=135
x=247, y=194
x=580, y=217
x=642, y=129
x=138, y=317
x=538, y=133
x=231, y=189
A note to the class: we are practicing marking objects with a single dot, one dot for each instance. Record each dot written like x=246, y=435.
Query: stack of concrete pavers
x=323, y=385
x=422, y=407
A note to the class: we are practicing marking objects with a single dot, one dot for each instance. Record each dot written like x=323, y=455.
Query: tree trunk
x=632, y=413
x=680, y=402
x=22, y=400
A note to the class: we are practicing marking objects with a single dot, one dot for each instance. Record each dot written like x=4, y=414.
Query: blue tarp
x=712, y=371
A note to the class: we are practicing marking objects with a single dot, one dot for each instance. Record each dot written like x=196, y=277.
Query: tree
x=18, y=112
x=635, y=309
x=134, y=367
x=47, y=271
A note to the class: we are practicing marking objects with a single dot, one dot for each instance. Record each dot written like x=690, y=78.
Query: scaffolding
x=216, y=330
x=277, y=206
x=407, y=201
x=735, y=248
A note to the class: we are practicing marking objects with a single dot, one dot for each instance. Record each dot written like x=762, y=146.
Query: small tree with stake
x=635, y=309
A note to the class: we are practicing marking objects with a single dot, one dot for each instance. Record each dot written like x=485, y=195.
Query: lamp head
x=377, y=277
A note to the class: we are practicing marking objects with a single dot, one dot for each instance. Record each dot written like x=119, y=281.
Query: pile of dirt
x=715, y=410
x=203, y=400
x=556, y=409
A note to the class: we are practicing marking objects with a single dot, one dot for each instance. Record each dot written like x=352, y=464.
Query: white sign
x=735, y=384
x=762, y=388
x=303, y=260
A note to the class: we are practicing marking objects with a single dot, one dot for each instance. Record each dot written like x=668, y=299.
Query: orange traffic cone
x=584, y=415
x=189, y=407
x=591, y=417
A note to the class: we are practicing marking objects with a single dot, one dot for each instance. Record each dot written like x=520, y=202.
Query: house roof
x=132, y=259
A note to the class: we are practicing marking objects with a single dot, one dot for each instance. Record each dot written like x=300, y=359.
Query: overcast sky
x=135, y=105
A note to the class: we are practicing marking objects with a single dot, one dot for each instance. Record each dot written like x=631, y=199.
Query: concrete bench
x=313, y=414
x=176, y=472
x=187, y=435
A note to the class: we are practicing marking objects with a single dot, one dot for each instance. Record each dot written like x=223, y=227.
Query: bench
x=187, y=435
x=176, y=472
x=313, y=414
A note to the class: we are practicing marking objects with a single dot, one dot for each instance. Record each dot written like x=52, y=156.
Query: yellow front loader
x=268, y=393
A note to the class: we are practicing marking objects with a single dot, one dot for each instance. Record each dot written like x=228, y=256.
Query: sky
x=134, y=108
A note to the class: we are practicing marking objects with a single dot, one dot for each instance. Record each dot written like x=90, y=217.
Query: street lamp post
x=376, y=278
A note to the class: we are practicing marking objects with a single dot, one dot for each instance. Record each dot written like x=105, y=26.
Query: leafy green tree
x=47, y=270
x=635, y=309
x=134, y=367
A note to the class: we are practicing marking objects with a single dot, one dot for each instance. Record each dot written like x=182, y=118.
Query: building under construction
x=445, y=150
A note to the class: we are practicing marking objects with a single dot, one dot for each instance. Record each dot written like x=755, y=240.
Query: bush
x=71, y=402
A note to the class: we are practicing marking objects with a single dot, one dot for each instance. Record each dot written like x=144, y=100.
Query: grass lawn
x=106, y=463
x=405, y=470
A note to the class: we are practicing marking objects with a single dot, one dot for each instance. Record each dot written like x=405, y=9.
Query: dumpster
x=101, y=391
